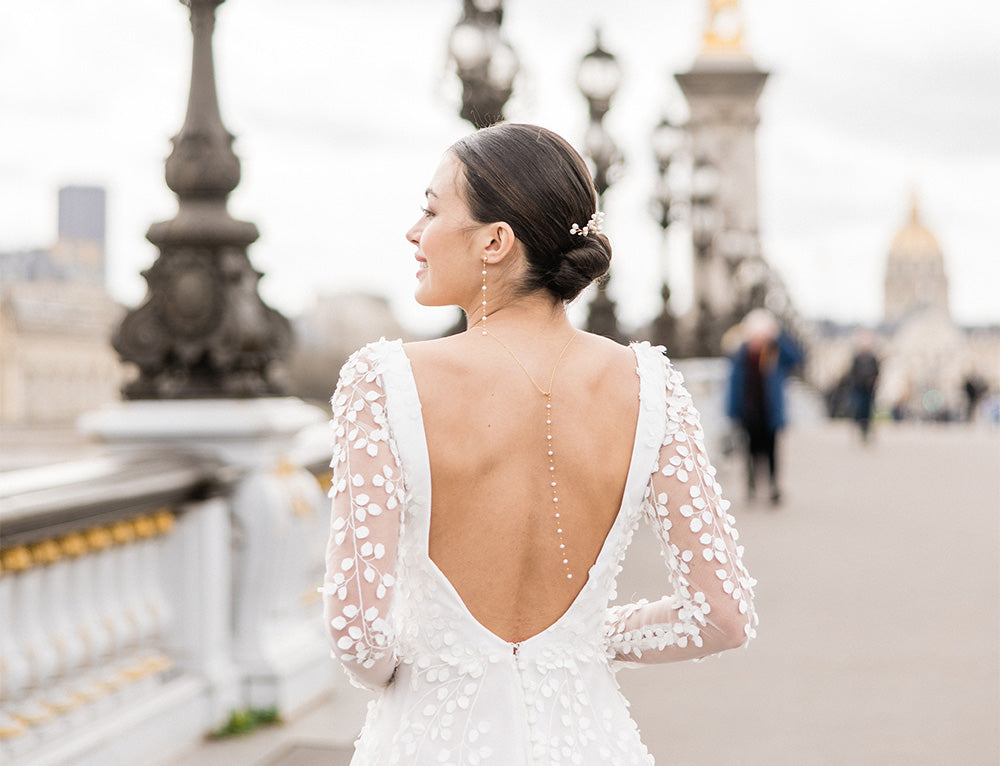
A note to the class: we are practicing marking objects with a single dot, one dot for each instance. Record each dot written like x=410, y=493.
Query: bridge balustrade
x=123, y=620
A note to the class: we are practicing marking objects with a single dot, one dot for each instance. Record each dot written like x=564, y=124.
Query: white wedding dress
x=452, y=692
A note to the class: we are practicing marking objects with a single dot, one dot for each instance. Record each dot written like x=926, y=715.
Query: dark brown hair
x=532, y=179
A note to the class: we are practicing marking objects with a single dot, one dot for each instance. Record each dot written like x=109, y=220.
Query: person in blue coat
x=756, y=393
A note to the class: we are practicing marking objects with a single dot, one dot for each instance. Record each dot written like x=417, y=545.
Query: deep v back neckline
x=420, y=475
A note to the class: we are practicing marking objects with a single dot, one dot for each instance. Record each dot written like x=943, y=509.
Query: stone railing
x=147, y=593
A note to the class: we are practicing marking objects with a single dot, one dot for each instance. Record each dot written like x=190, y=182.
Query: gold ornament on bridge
x=164, y=521
x=724, y=28
x=46, y=552
x=73, y=545
x=98, y=538
x=15, y=559
x=122, y=532
x=145, y=527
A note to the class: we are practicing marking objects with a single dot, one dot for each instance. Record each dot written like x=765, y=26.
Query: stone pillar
x=722, y=89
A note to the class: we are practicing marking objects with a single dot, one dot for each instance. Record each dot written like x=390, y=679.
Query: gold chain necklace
x=553, y=483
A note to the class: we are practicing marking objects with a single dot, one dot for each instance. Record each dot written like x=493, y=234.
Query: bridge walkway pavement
x=879, y=643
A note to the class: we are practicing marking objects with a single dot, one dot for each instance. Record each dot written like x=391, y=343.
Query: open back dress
x=450, y=690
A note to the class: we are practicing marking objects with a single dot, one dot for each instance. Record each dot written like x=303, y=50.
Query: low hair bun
x=578, y=267
x=534, y=180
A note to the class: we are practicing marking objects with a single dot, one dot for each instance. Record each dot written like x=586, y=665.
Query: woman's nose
x=413, y=234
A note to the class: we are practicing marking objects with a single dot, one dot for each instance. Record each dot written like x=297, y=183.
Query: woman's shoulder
x=461, y=351
x=605, y=346
x=445, y=353
x=369, y=363
x=638, y=357
x=442, y=346
x=372, y=352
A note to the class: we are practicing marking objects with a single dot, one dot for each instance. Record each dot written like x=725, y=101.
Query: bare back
x=493, y=533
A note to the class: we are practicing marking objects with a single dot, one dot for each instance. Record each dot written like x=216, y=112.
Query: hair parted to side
x=532, y=179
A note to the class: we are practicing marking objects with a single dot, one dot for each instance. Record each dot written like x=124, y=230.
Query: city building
x=56, y=317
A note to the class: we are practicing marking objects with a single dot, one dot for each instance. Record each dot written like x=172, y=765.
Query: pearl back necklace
x=550, y=446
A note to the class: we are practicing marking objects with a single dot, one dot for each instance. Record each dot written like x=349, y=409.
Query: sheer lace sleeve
x=711, y=605
x=365, y=524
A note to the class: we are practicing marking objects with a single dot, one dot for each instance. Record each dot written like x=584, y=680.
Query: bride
x=487, y=485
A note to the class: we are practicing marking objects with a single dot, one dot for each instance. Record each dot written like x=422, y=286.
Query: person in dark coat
x=861, y=380
x=756, y=394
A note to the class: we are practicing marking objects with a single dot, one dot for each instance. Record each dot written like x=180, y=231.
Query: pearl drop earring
x=484, y=295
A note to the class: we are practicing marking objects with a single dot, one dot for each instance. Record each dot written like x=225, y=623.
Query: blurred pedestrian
x=756, y=396
x=974, y=388
x=862, y=379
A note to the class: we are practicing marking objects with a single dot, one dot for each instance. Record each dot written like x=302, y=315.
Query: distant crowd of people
x=854, y=395
x=763, y=355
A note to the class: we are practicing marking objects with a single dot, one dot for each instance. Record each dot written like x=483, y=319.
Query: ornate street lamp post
x=202, y=331
x=752, y=274
x=704, y=226
x=598, y=78
x=667, y=141
x=486, y=64
x=740, y=253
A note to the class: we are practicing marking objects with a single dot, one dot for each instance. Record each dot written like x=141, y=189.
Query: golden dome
x=914, y=242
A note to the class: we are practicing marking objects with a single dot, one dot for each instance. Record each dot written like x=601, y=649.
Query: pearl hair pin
x=594, y=225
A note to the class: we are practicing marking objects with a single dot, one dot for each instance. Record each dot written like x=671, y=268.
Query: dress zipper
x=519, y=680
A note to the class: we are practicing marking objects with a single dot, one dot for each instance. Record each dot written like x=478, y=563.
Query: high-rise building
x=82, y=213
x=79, y=252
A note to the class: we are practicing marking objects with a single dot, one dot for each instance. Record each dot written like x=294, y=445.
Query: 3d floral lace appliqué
x=367, y=493
x=451, y=692
x=698, y=539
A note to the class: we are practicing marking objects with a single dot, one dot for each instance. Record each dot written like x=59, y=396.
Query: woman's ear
x=499, y=242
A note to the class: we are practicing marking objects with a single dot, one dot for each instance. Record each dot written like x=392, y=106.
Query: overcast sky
x=342, y=109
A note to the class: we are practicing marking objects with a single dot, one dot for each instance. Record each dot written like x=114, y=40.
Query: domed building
x=915, y=278
x=925, y=364
x=928, y=360
x=929, y=364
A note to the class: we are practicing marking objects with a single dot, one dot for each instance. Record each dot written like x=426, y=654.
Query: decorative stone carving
x=203, y=331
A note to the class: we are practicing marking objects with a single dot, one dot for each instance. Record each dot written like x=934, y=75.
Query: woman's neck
x=535, y=313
